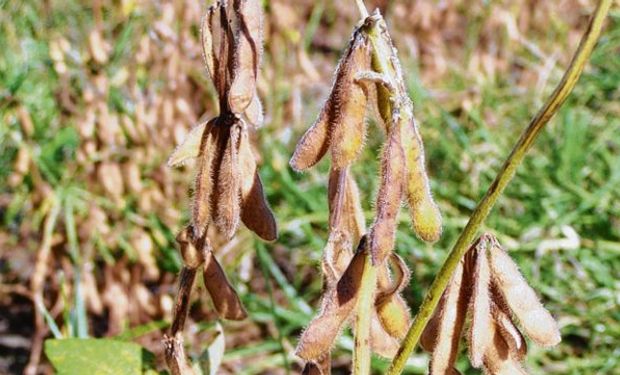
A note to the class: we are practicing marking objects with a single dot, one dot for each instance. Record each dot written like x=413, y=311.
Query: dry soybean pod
x=480, y=335
x=247, y=55
x=319, y=336
x=223, y=295
x=537, y=322
x=314, y=144
x=228, y=186
x=389, y=198
x=442, y=337
x=392, y=309
x=201, y=204
x=255, y=211
x=350, y=97
x=424, y=212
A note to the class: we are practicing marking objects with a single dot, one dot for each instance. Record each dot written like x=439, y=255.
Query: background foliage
x=94, y=97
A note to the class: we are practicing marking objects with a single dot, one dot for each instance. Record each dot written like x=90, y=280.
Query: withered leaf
x=537, y=322
x=248, y=50
x=255, y=211
x=389, y=199
x=224, y=297
x=190, y=148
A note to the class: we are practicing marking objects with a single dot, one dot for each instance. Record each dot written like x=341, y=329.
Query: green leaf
x=98, y=357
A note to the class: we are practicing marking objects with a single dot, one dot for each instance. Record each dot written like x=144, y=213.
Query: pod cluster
x=228, y=189
x=340, y=129
x=488, y=287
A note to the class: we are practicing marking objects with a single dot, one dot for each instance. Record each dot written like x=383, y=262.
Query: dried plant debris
x=227, y=189
x=488, y=287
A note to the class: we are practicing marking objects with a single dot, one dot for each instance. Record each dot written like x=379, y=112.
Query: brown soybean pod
x=247, y=55
x=318, y=338
x=255, y=211
x=424, y=212
x=223, y=295
x=314, y=144
x=228, y=185
x=350, y=98
x=480, y=336
x=201, y=204
x=498, y=359
x=389, y=198
x=537, y=322
x=350, y=220
x=443, y=335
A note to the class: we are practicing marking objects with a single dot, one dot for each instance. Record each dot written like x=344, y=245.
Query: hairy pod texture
x=341, y=129
x=227, y=187
x=389, y=198
x=341, y=122
x=493, y=292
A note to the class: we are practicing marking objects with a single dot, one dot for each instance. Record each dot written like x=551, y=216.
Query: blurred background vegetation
x=95, y=95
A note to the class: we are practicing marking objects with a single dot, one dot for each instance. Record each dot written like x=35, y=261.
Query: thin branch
x=507, y=172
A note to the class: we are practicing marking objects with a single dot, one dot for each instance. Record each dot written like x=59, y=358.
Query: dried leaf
x=424, y=212
x=255, y=211
x=537, y=322
x=389, y=197
x=223, y=295
x=190, y=148
x=248, y=51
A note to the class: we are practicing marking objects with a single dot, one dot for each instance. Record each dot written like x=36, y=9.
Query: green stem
x=507, y=172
